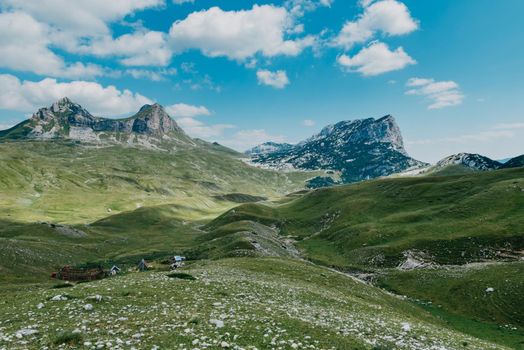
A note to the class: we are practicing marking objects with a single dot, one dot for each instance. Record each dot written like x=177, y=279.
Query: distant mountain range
x=470, y=162
x=66, y=119
x=357, y=150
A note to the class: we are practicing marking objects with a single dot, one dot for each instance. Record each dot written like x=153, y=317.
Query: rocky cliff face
x=360, y=149
x=65, y=114
x=67, y=119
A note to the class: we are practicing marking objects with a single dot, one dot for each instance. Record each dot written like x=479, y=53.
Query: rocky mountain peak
x=69, y=120
x=61, y=111
x=153, y=119
x=359, y=149
x=385, y=130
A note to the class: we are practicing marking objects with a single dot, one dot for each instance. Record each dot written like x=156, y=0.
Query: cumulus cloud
x=182, y=110
x=276, y=79
x=28, y=96
x=387, y=16
x=196, y=128
x=441, y=94
x=79, y=17
x=141, y=48
x=376, y=59
x=24, y=46
x=237, y=35
x=30, y=27
x=185, y=116
x=179, y=2
x=298, y=8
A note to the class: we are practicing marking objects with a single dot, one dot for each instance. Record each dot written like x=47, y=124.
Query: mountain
x=66, y=119
x=360, y=149
x=516, y=162
x=268, y=147
x=464, y=163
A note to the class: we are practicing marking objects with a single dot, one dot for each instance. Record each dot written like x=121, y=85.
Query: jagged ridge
x=360, y=149
x=67, y=119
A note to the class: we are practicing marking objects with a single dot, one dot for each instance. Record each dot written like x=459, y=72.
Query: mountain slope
x=375, y=224
x=64, y=164
x=226, y=304
x=360, y=149
x=516, y=162
x=463, y=163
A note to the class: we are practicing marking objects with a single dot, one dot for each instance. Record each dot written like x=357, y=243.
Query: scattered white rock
x=217, y=323
x=490, y=290
x=40, y=306
x=88, y=307
x=25, y=332
x=406, y=327
x=59, y=297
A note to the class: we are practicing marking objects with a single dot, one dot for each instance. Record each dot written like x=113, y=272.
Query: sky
x=242, y=72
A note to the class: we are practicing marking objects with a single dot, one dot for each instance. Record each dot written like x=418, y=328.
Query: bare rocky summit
x=359, y=149
x=66, y=119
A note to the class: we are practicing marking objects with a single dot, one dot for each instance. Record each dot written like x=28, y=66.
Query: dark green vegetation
x=453, y=219
x=515, y=162
x=181, y=275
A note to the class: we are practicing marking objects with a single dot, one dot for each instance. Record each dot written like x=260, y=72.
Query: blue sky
x=244, y=72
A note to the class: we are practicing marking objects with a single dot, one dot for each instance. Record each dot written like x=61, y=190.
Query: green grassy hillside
x=73, y=183
x=230, y=303
x=116, y=202
x=453, y=219
x=485, y=300
x=445, y=223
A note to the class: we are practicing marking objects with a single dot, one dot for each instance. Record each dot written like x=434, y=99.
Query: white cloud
x=141, y=48
x=196, y=128
x=179, y=2
x=23, y=46
x=387, y=16
x=30, y=27
x=239, y=34
x=441, y=94
x=308, y=122
x=28, y=96
x=509, y=126
x=79, y=17
x=185, y=115
x=246, y=139
x=153, y=75
x=182, y=110
x=276, y=79
x=376, y=59
x=297, y=8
